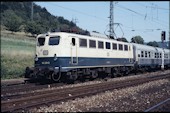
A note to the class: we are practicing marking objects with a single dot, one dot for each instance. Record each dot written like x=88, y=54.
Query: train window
x=41, y=41
x=100, y=44
x=126, y=47
x=54, y=40
x=138, y=55
x=73, y=41
x=83, y=42
x=166, y=55
x=107, y=45
x=155, y=55
x=120, y=47
x=142, y=54
x=92, y=43
x=160, y=55
x=149, y=54
x=114, y=45
x=145, y=53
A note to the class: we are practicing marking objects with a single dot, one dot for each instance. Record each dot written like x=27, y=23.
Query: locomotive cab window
x=54, y=40
x=41, y=41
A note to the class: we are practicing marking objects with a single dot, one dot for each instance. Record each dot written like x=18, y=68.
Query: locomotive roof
x=91, y=34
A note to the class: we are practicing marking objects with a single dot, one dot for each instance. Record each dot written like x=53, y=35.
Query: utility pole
x=163, y=38
x=32, y=11
x=111, y=20
x=74, y=20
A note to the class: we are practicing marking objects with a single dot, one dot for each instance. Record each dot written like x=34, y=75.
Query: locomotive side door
x=74, y=58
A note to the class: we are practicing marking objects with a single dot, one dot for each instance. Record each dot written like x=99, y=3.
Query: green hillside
x=17, y=52
x=17, y=15
x=17, y=28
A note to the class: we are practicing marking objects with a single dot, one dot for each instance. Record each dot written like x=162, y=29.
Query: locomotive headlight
x=36, y=58
x=55, y=57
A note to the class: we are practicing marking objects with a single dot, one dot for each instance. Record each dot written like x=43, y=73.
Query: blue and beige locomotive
x=70, y=56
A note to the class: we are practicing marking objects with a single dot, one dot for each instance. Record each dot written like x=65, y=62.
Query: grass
x=17, y=52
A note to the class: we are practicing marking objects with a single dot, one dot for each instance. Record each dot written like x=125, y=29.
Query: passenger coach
x=148, y=57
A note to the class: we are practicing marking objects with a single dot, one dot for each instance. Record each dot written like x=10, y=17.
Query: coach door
x=74, y=58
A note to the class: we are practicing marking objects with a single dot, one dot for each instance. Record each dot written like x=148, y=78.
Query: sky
x=144, y=18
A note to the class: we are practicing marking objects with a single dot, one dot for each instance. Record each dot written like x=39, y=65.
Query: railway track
x=9, y=89
x=12, y=92
x=163, y=106
x=58, y=95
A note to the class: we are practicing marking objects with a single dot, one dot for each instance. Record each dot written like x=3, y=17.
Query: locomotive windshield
x=54, y=40
x=41, y=41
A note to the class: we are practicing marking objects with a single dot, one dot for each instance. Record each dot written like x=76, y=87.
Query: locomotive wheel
x=73, y=77
x=55, y=77
x=94, y=74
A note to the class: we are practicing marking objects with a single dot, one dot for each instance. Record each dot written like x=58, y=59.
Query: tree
x=122, y=39
x=137, y=39
x=154, y=44
x=33, y=28
x=12, y=21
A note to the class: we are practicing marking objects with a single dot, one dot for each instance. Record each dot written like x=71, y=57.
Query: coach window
x=54, y=40
x=83, y=42
x=145, y=53
x=120, y=47
x=73, y=41
x=138, y=55
x=107, y=45
x=100, y=45
x=142, y=54
x=160, y=55
x=92, y=43
x=166, y=56
x=155, y=55
x=126, y=47
x=149, y=54
x=114, y=46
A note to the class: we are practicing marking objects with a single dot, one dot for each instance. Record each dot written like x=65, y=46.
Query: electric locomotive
x=62, y=55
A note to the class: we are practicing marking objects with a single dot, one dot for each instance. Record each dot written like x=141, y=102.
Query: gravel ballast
x=138, y=98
